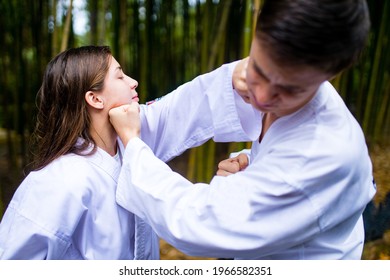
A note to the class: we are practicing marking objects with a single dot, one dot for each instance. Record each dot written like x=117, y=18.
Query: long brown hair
x=62, y=115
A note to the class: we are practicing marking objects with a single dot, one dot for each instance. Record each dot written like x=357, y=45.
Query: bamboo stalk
x=381, y=117
x=54, y=41
x=384, y=104
x=367, y=119
x=66, y=32
x=248, y=29
x=215, y=49
x=191, y=165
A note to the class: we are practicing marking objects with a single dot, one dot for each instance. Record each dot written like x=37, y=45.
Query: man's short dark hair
x=328, y=35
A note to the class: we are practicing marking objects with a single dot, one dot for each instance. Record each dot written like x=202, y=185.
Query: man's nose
x=265, y=94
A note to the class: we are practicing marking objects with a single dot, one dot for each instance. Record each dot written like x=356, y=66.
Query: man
x=310, y=175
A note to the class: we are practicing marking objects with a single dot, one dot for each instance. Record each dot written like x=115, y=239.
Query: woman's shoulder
x=64, y=167
x=62, y=183
x=68, y=173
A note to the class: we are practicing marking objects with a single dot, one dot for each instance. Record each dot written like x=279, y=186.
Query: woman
x=66, y=208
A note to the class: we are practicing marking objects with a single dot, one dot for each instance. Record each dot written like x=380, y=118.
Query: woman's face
x=119, y=89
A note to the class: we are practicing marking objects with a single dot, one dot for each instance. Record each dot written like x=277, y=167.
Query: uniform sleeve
x=234, y=216
x=204, y=108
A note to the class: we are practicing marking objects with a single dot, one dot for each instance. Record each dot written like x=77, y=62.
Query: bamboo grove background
x=162, y=44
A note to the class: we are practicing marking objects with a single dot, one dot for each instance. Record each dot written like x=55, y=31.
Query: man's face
x=276, y=89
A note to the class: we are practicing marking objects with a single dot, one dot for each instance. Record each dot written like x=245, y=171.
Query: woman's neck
x=104, y=135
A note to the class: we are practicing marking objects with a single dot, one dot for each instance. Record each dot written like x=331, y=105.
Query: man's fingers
x=224, y=173
x=229, y=165
x=242, y=161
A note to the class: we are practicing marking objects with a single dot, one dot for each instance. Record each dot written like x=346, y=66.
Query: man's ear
x=94, y=100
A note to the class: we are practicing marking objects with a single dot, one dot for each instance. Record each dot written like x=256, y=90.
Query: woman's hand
x=126, y=121
x=232, y=165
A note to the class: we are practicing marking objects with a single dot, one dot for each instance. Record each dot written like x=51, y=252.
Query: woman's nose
x=133, y=83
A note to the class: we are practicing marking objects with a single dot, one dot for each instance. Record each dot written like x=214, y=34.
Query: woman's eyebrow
x=118, y=69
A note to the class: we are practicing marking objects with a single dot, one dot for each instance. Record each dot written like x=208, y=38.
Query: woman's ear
x=94, y=100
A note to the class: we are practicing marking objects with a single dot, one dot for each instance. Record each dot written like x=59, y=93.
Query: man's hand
x=126, y=121
x=239, y=78
x=232, y=165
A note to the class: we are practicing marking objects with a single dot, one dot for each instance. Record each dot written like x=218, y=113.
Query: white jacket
x=301, y=197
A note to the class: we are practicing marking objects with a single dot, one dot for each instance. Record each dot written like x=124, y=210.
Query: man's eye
x=289, y=91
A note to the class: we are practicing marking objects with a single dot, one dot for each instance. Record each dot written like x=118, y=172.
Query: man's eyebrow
x=118, y=68
x=291, y=88
x=259, y=71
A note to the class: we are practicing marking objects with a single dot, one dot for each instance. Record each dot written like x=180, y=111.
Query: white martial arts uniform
x=301, y=197
x=68, y=210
